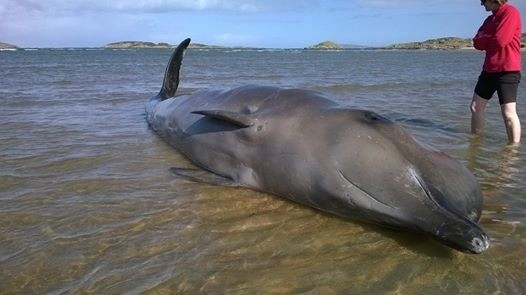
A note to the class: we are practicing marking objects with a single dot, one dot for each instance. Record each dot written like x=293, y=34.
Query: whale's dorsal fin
x=241, y=120
x=171, y=75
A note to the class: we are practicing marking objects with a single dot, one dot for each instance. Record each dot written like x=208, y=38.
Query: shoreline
x=466, y=48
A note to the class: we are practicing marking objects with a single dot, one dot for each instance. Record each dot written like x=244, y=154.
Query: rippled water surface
x=88, y=204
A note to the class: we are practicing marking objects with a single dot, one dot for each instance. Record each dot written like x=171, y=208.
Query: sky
x=254, y=23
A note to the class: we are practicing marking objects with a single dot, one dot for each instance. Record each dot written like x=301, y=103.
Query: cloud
x=230, y=38
x=390, y=4
x=31, y=22
x=398, y=5
x=60, y=7
x=58, y=23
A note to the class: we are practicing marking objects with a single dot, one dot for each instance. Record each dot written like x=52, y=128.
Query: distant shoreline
x=445, y=43
x=523, y=49
x=6, y=46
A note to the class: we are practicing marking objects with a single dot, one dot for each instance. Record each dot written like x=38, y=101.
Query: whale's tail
x=171, y=76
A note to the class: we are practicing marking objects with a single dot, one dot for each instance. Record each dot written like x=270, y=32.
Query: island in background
x=330, y=45
x=446, y=43
x=7, y=46
x=137, y=44
x=440, y=43
x=142, y=44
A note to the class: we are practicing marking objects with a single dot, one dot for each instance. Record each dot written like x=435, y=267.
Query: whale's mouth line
x=456, y=236
x=431, y=197
x=478, y=243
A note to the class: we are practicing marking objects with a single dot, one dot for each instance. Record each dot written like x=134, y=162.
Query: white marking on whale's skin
x=411, y=173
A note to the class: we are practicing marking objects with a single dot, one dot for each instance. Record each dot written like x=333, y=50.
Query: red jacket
x=500, y=37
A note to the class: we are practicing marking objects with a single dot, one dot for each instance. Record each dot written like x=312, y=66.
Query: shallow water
x=87, y=202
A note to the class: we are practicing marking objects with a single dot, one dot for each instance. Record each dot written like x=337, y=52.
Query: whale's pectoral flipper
x=203, y=176
x=238, y=119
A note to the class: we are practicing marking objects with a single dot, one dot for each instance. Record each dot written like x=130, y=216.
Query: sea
x=88, y=203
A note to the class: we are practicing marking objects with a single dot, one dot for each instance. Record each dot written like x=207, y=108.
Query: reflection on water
x=88, y=202
x=500, y=171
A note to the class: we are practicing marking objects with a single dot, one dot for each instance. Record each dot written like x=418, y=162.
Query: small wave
x=425, y=123
x=352, y=87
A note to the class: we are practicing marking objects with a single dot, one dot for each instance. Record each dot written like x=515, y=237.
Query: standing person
x=499, y=36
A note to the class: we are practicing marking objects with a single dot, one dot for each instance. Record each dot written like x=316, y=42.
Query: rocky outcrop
x=143, y=44
x=326, y=45
x=137, y=44
x=440, y=43
x=7, y=46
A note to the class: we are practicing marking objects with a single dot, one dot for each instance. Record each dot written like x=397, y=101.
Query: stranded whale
x=299, y=145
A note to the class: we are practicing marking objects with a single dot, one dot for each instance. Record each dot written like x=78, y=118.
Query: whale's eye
x=374, y=117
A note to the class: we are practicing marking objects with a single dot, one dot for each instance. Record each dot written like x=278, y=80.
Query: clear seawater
x=88, y=204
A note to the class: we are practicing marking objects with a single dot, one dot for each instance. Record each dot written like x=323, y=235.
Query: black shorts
x=505, y=83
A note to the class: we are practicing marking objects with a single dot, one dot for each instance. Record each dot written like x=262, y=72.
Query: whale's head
x=386, y=176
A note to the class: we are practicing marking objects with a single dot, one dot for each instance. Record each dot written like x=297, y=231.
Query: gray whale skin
x=301, y=146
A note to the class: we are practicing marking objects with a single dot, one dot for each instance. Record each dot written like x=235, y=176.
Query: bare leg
x=478, y=109
x=512, y=122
